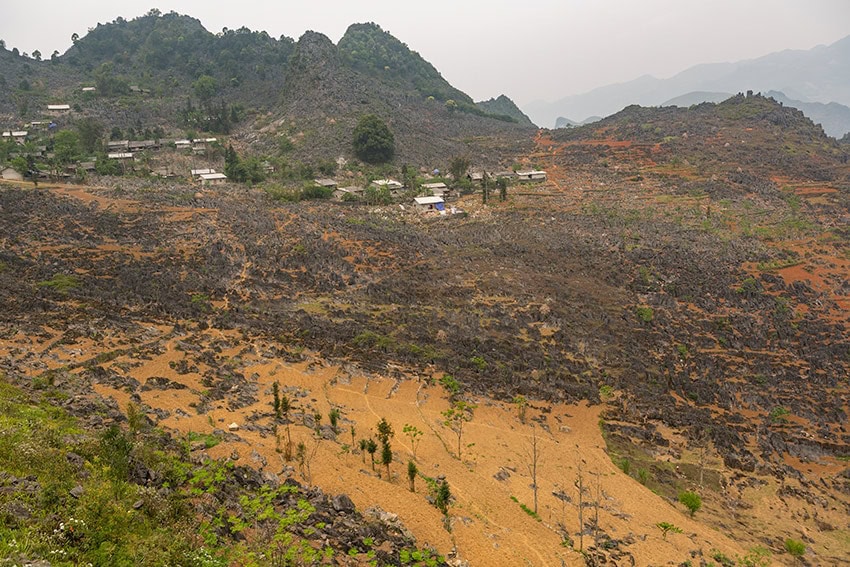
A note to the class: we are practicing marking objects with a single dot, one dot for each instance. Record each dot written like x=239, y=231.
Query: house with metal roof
x=531, y=175
x=213, y=178
x=429, y=203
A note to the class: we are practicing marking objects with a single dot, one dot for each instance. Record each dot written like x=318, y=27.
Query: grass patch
x=209, y=439
x=60, y=283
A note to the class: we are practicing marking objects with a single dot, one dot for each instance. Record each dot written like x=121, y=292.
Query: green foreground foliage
x=71, y=497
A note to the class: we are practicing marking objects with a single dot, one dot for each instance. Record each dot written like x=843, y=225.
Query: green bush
x=691, y=501
x=60, y=283
x=795, y=548
x=645, y=314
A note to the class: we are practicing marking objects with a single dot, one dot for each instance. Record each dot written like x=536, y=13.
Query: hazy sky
x=530, y=49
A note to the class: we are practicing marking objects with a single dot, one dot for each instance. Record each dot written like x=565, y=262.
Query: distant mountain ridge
x=833, y=117
x=821, y=74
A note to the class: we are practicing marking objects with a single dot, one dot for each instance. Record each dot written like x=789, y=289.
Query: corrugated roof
x=428, y=200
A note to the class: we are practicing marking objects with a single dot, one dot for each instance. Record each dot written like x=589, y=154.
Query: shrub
x=645, y=314
x=667, y=527
x=794, y=547
x=779, y=415
x=691, y=501
x=61, y=283
x=756, y=557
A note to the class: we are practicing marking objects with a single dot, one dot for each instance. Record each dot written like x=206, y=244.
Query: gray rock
x=77, y=491
x=342, y=503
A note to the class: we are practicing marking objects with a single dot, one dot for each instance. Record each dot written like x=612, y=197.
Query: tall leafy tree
x=374, y=142
x=66, y=146
x=91, y=133
x=205, y=88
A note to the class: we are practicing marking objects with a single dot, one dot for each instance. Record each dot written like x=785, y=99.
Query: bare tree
x=456, y=416
x=532, y=455
x=579, y=484
x=305, y=458
x=596, y=504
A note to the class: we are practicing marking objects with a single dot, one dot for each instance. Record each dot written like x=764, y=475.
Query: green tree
x=276, y=399
x=411, y=475
x=91, y=133
x=205, y=88
x=19, y=164
x=502, y=184
x=387, y=458
x=333, y=416
x=66, y=146
x=385, y=431
x=317, y=422
x=364, y=444
x=691, y=501
x=36, y=55
x=373, y=140
x=458, y=167
x=371, y=448
x=443, y=496
x=233, y=165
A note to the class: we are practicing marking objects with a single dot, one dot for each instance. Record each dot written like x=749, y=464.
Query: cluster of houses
x=125, y=151
x=437, y=192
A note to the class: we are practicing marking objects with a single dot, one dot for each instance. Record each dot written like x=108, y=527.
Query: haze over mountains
x=821, y=74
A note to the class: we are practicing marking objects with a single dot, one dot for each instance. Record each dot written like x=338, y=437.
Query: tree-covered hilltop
x=368, y=48
x=179, y=45
x=504, y=106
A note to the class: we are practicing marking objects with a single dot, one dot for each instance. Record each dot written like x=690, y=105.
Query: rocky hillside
x=684, y=268
x=167, y=71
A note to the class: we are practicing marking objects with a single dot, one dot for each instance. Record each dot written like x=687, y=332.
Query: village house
x=183, y=144
x=116, y=146
x=89, y=89
x=213, y=178
x=120, y=156
x=19, y=136
x=429, y=204
x=326, y=183
x=390, y=184
x=475, y=176
x=162, y=171
x=436, y=189
x=197, y=173
x=342, y=192
x=144, y=145
x=58, y=109
x=507, y=174
x=199, y=145
x=531, y=175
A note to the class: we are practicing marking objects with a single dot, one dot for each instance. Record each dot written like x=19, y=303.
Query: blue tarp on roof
x=440, y=206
